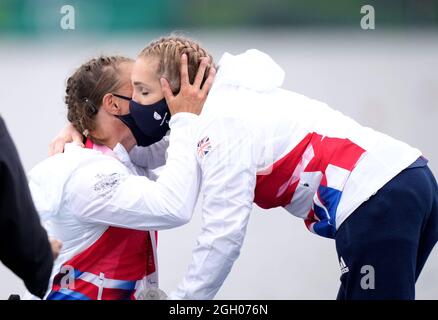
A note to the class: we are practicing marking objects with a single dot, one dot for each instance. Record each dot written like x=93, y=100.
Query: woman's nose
x=135, y=96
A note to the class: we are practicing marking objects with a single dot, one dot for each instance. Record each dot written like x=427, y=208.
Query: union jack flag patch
x=204, y=147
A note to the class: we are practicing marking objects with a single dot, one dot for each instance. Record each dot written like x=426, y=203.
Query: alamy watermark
x=368, y=21
x=368, y=280
x=68, y=280
x=67, y=21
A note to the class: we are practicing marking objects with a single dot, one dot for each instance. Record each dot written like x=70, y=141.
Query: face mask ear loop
x=121, y=96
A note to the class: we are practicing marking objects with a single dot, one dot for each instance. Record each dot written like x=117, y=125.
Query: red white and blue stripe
x=204, y=147
x=309, y=180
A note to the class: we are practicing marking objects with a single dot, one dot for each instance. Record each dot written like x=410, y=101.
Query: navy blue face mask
x=148, y=123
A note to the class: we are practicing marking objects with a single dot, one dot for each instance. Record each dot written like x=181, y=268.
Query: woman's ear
x=109, y=104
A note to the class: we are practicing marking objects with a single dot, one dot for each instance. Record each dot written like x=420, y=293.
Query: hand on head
x=191, y=97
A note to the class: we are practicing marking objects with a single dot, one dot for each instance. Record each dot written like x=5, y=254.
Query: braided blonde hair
x=87, y=87
x=169, y=50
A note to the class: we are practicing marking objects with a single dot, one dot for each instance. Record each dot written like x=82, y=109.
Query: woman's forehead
x=145, y=68
x=126, y=68
x=126, y=87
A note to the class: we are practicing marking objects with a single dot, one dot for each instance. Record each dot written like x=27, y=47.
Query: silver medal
x=151, y=294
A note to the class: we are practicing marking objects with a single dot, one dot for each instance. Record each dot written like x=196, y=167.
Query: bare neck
x=111, y=142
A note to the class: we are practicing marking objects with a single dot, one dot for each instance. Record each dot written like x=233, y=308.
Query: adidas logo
x=344, y=268
x=157, y=116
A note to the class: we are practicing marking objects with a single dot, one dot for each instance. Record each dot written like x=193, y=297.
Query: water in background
x=387, y=81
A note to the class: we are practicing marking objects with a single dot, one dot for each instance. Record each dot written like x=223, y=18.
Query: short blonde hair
x=168, y=50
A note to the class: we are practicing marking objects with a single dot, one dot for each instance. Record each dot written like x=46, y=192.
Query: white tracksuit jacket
x=259, y=143
x=84, y=196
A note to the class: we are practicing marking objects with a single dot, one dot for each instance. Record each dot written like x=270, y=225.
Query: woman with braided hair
x=255, y=142
x=102, y=206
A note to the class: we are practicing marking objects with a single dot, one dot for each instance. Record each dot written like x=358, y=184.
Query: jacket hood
x=252, y=69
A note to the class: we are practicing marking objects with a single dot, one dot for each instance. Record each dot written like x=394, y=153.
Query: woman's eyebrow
x=138, y=83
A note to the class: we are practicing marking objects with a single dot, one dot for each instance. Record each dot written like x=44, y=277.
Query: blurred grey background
x=385, y=78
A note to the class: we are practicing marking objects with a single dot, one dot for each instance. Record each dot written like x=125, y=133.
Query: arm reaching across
x=68, y=134
x=150, y=157
x=229, y=177
x=107, y=193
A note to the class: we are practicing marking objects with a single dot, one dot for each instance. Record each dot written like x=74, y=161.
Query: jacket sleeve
x=24, y=245
x=228, y=177
x=150, y=157
x=106, y=193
